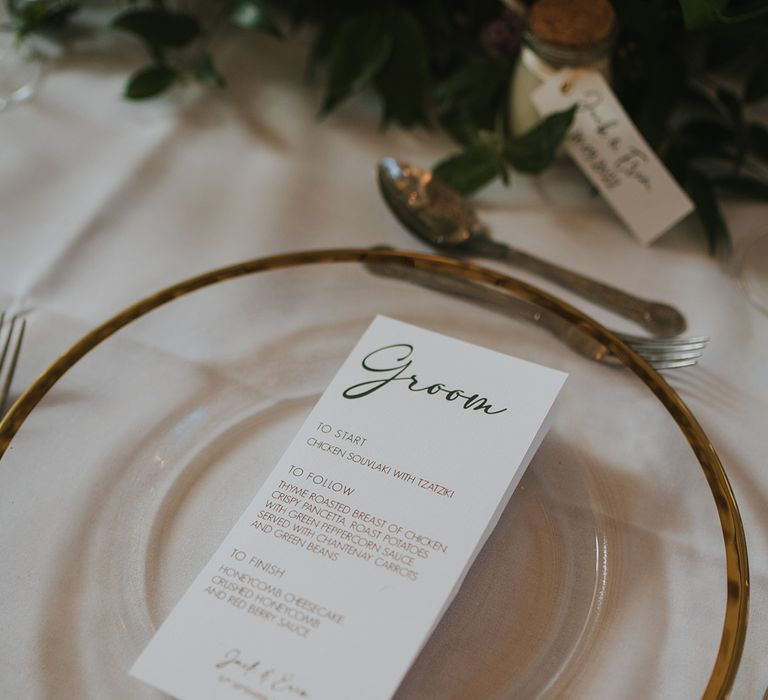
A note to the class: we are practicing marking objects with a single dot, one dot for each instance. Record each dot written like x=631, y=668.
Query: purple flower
x=503, y=36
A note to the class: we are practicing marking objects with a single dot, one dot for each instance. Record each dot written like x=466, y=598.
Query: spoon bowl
x=438, y=215
x=426, y=206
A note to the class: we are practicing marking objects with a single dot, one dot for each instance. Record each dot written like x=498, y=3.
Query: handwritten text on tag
x=611, y=152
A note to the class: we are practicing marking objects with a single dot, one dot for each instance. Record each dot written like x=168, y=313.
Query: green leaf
x=360, y=49
x=645, y=18
x=473, y=168
x=757, y=138
x=41, y=14
x=705, y=137
x=707, y=134
x=699, y=102
x=746, y=13
x=473, y=96
x=402, y=81
x=724, y=48
x=58, y=15
x=159, y=27
x=254, y=14
x=732, y=106
x=30, y=13
x=735, y=110
x=702, y=192
x=206, y=72
x=149, y=82
x=701, y=13
x=667, y=77
x=535, y=150
x=743, y=185
x=470, y=80
x=756, y=87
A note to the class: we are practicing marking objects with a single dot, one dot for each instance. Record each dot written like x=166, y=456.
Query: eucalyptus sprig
x=32, y=16
x=176, y=41
x=490, y=156
x=165, y=32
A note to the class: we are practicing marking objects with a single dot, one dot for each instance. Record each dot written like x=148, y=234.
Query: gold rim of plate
x=737, y=567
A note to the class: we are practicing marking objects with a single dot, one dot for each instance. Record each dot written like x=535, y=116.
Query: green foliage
x=254, y=14
x=405, y=51
x=743, y=185
x=150, y=82
x=700, y=13
x=168, y=34
x=473, y=168
x=664, y=73
x=702, y=193
x=474, y=96
x=490, y=155
x=159, y=27
x=535, y=150
x=757, y=140
x=756, y=87
x=361, y=47
x=381, y=46
x=32, y=16
x=206, y=71
x=403, y=79
x=449, y=63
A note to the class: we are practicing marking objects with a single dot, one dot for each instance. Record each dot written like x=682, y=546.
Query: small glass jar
x=21, y=66
x=559, y=34
x=20, y=71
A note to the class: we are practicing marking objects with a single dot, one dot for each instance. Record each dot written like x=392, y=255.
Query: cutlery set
x=438, y=215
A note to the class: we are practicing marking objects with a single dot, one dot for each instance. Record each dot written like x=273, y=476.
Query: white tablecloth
x=103, y=201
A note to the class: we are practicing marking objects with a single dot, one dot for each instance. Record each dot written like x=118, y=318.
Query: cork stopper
x=572, y=24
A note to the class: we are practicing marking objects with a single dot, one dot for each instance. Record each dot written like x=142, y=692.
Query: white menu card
x=334, y=577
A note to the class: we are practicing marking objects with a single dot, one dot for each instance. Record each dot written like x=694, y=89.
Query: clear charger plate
x=130, y=458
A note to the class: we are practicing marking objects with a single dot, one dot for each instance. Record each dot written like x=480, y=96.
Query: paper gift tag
x=334, y=577
x=610, y=151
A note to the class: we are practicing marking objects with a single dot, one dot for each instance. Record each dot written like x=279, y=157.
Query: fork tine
x=673, y=364
x=690, y=347
x=637, y=341
x=670, y=354
x=667, y=353
x=6, y=389
x=7, y=343
x=663, y=349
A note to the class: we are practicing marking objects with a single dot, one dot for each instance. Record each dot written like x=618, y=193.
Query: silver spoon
x=441, y=217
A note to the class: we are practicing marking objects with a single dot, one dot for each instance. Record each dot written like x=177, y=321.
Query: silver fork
x=667, y=353
x=11, y=337
x=660, y=353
